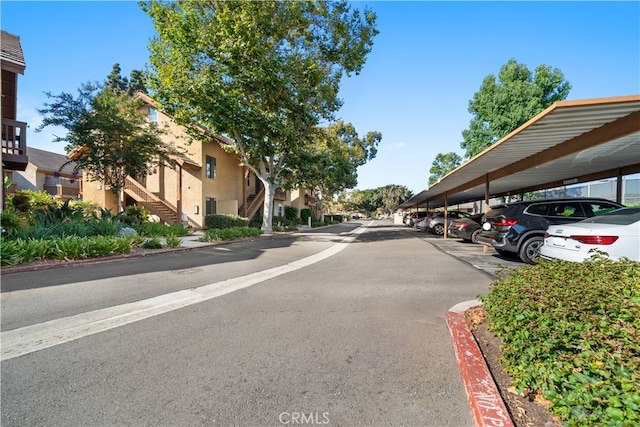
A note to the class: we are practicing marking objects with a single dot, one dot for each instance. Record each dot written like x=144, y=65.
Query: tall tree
x=391, y=196
x=504, y=104
x=330, y=164
x=135, y=83
x=264, y=74
x=442, y=165
x=109, y=131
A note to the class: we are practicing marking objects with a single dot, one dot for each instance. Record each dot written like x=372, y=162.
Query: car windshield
x=624, y=216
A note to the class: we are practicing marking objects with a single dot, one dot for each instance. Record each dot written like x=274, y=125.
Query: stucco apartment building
x=50, y=172
x=14, y=132
x=204, y=180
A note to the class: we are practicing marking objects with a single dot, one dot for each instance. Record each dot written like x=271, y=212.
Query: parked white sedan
x=617, y=233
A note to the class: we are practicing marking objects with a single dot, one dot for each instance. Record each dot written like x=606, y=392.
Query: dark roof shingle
x=48, y=161
x=11, y=49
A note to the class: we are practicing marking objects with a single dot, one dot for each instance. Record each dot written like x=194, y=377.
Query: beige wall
x=227, y=187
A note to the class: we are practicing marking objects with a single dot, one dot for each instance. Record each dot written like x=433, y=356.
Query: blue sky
x=426, y=64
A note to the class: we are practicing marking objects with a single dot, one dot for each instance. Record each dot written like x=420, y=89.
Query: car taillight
x=595, y=240
x=506, y=222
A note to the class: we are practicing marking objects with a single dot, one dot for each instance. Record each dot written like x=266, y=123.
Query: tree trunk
x=267, y=216
x=120, y=194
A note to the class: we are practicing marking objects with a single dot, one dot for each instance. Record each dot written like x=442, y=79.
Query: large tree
x=108, y=132
x=391, y=196
x=263, y=73
x=135, y=83
x=330, y=164
x=505, y=103
x=442, y=165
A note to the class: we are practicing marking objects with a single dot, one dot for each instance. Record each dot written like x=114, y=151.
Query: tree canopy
x=505, y=103
x=135, y=83
x=264, y=74
x=329, y=165
x=442, y=165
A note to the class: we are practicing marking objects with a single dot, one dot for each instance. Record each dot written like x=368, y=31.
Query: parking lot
x=487, y=260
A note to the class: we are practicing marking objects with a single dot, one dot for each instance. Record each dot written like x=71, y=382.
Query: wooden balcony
x=280, y=194
x=14, y=145
x=309, y=200
x=62, y=188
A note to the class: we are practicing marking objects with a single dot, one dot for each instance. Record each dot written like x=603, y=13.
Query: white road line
x=29, y=339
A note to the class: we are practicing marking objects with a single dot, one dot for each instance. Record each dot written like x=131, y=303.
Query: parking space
x=487, y=261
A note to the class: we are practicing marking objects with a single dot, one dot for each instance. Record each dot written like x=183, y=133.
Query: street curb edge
x=485, y=401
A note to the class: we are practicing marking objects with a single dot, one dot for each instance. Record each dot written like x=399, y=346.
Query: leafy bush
x=571, y=331
x=333, y=219
x=134, y=215
x=9, y=252
x=225, y=221
x=217, y=234
x=12, y=224
x=281, y=223
x=152, y=243
x=305, y=214
x=173, y=241
x=156, y=229
x=33, y=250
x=291, y=213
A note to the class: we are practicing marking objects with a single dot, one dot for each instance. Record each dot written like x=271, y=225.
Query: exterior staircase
x=167, y=213
x=254, y=203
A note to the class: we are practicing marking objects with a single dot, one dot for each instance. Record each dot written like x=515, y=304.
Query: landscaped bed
x=569, y=338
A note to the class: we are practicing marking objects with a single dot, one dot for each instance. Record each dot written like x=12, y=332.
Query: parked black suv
x=518, y=228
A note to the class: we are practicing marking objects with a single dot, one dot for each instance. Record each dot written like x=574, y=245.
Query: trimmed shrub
x=282, y=223
x=225, y=221
x=291, y=213
x=571, y=332
x=217, y=234
x=333, y=219
x=305, y=214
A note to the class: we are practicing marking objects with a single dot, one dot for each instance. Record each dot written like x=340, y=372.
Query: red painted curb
x=487, y=405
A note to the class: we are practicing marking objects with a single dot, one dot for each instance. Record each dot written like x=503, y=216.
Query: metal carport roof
x=569, y=142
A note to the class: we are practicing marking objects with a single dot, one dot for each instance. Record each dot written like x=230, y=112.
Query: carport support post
x=446, y=209
x=619, y=186
x=485, y=248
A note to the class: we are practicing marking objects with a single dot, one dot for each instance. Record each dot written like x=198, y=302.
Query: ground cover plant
x=35, y=227
x=217, y=234
x=571, y=333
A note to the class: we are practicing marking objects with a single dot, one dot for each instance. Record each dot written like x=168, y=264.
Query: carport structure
x=568, y=143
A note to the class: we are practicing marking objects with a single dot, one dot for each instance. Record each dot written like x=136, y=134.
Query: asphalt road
x=339, y=326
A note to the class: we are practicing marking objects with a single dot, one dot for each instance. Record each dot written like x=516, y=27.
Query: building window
x=210, y=206
x=280, y=210
x=153, y=115
x=211, y=167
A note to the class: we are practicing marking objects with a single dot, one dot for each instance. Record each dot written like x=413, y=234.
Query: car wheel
x=530, y=249
x=475, y=234
x=438, y=229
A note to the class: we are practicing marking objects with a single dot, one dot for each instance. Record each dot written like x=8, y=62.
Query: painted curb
x=486, y=404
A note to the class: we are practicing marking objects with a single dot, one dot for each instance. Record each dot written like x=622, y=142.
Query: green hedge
x=305, y=214
x=571, y=332
x=225, y=221
x=217, y=234
x=291, y=213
